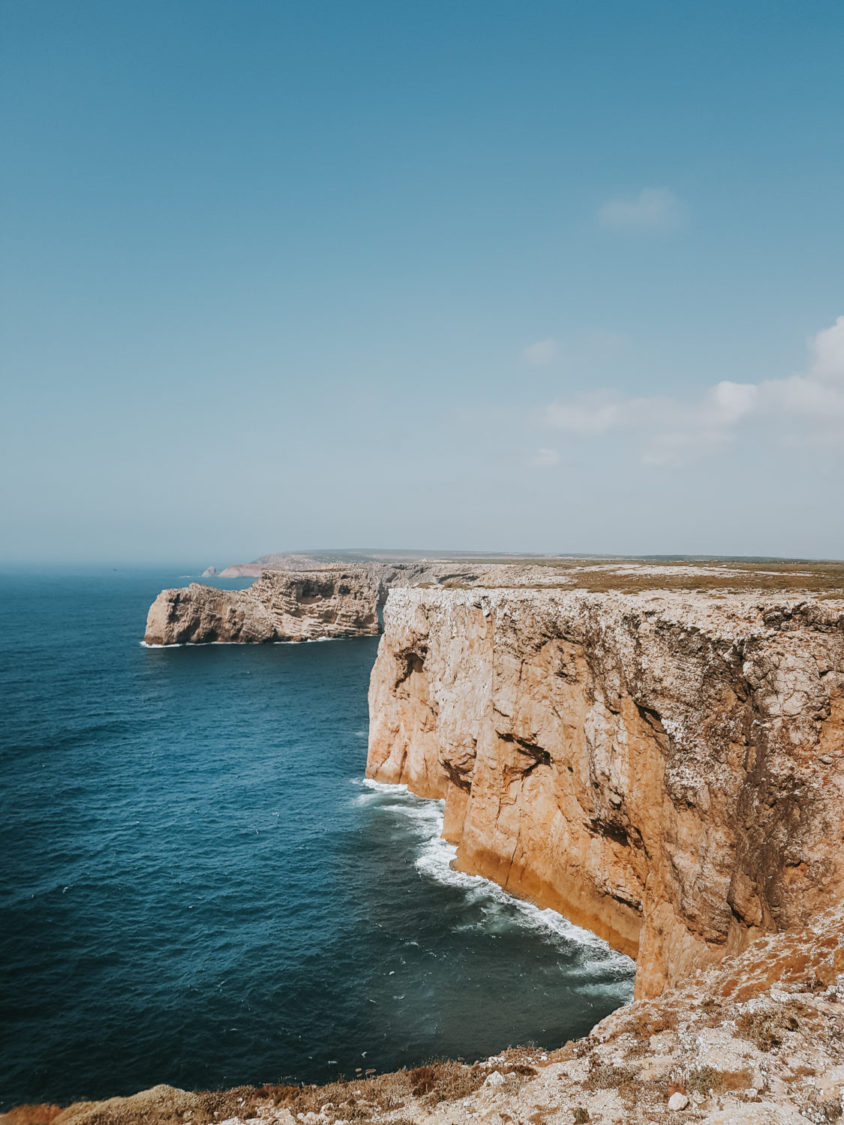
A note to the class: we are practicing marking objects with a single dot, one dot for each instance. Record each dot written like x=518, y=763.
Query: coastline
x=436, y=634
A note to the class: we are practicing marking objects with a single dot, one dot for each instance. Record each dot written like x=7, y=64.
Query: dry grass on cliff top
x=771, y=578
x=629, y=576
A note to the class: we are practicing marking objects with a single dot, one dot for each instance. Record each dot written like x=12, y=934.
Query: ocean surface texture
x=199, y=888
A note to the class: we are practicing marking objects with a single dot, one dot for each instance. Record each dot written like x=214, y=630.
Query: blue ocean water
x=198, y=888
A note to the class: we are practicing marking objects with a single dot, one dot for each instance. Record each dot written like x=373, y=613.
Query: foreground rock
x=759, y=1040
x=666, y=769
x=291, y=606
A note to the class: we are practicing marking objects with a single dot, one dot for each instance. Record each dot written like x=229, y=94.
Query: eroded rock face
x=666, y=769
x=279, y=606
x=300, y=603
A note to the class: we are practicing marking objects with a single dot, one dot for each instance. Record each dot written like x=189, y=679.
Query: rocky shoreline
x=655, y=750
x=309, y=601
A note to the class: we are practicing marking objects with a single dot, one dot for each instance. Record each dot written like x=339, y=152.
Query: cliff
x=663, y=767
x=656, y=751
x=279, y=606
x=297, y=604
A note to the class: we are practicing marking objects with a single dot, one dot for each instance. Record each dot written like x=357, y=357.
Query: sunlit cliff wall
x=666, y=769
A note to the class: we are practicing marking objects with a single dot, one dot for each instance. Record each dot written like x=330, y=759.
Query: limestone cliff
x=666, y=768
x=296, y=604
x=279, y=606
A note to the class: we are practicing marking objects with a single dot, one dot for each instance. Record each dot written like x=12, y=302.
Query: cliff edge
x=665, y=767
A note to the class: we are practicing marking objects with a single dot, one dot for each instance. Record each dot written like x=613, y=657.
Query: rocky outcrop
x=664, y=768
x=298, y=604
x=292, y=606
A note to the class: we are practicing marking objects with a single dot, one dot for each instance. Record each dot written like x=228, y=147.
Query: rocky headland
x=297, y=605
x=305, y=599
x=657, y=751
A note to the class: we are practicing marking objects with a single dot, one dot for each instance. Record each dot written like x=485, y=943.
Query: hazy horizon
x=543, y=278
x=193, y=568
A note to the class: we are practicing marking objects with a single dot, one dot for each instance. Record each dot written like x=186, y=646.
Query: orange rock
x=648, y=764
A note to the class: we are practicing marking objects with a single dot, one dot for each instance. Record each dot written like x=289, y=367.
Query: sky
x=491, y=276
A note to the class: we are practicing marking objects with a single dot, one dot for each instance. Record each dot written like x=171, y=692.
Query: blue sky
x=478, y=275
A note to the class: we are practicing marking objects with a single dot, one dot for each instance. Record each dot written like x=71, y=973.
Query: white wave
x=499, y=909
x=192, y=644
x=425, y=820
x=375, y=791
x=242, y=644
x=381, y=786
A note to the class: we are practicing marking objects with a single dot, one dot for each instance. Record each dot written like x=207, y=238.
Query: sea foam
x=499, y=909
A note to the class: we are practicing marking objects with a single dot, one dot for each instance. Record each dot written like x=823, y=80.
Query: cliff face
x=296, y=604
x=664, y=768
x=291, y=606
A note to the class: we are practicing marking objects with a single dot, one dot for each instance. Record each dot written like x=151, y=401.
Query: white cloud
x=589, y=413
x=817, y=397
x=731, y=401
x=828, y=350
x=653, y=209
x=540, y=353
x=545, y=458
x=673, y=431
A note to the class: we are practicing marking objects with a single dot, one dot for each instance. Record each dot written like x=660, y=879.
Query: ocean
x=199, y=887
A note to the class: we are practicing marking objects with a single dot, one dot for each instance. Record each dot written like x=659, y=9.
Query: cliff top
x=823, y=579
x=597, y=573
